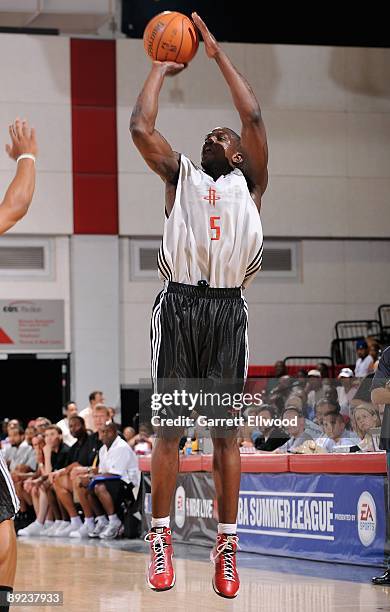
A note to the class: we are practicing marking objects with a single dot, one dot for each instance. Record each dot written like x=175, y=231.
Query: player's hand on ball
x=211, y=46
x=23, y=139
x=170, y=68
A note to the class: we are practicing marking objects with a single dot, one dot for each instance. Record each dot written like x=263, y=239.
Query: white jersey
x=214, y=231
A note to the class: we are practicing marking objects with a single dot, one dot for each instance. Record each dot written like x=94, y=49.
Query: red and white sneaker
x=226, y=582
x=161, y=575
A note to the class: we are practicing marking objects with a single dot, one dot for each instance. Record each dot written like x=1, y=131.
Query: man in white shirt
x=364, y=362
x=19, y=453
x=118, y=472
x=95, y=398
x=314, y=389
x=346, y=391
x=70, y=410
x=295, y=429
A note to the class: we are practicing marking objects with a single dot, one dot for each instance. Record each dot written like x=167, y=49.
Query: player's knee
x=100, y=488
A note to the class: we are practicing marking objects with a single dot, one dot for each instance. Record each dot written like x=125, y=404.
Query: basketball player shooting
x=211, y=250
x=17, y=199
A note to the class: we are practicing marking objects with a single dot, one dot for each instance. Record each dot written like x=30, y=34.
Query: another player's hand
x=170, y=68
x=211, y=46
x=23, y=139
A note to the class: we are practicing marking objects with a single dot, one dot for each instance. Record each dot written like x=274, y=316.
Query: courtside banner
x=315, y=516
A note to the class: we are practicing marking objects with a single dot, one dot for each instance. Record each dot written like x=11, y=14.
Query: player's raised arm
x=253, y=136
x=20, y=192
x=155, y=150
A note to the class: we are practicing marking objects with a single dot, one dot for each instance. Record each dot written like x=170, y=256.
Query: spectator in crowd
x=142, y=443
x=346, y=391
x=295, y=430
x=128, y=433
x=82, y=454
x=118, y=472
x=363, y=393
x=279, y=371
x=29, y=434
x=314, y=390
x=3, y=430
x=364, y=363
x=23, y=484
x=301, y=378
x=111, y=413
x=380, y=395
x=364, y=418
x=95, y=398
x=374, y=350
x=280, y=393
x=324, y=407
x=69, y=410
x=41, y=423
x=268, y=437
x=335, y=435
x=55, y=453
x=19, y=455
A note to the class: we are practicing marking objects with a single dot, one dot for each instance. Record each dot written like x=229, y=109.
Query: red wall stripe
x=94, y=139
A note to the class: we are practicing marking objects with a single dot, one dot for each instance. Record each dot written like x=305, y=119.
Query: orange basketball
x=172, y=37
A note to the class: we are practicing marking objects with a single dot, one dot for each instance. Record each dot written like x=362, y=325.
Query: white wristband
x=26, y=156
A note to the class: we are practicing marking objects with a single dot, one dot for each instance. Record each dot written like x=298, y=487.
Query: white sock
x=113, y=518
x=230, y=528
x=160, y=522
x=89, y=521
x=49, y=523
x=75, y=521
x=38, y=523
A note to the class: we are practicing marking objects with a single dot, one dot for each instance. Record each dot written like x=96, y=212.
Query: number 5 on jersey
x=215, y=228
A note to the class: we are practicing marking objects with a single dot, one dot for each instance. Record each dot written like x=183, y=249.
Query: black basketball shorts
x=199, y=342
x=9, y=503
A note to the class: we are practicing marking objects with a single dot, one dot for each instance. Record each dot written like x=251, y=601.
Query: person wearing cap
x=380, y=394
x=314, y=390
x=346, y=391
x=364, y=363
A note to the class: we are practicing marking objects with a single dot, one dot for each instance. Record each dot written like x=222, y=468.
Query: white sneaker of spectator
x=101, y=524
x=52, y=532
x=75, y=523
x=34, y=529
x=84, y=532
x=112, y=530
x=47, y=525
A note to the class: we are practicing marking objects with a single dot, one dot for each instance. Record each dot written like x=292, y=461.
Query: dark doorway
x=32, y=387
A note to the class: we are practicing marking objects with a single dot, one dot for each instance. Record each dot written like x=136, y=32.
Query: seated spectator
x=335, y=434
x=128, y=433
x=295, y=430
x=141, y=443
x=301, y=378
x=364, y=363
x=118, y=473
x=70, y=410
x=82, y=455
x=322, y=408
x=19, y=455
x=55, y=453
x=363, y=393
x=268, y=437
x=314, y=390
x=374, y=350
x=41, y=423
x=23, y=485
x=29, y=434
x=364, y=418
x=346, y=391
x=279, y=371
x=95, y=398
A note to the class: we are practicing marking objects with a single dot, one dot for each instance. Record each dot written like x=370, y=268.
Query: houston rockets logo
x=212, y=196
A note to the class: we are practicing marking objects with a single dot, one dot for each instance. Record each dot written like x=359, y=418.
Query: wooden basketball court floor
x=110, y=576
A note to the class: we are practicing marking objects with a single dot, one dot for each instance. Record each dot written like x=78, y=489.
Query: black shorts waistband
x=204, y=291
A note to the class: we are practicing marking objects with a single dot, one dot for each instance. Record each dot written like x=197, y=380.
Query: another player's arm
x=155, y=150
x=253, y=135
x=19, y=194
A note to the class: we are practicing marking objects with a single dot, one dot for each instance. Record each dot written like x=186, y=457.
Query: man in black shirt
x=380, y=394
x=270, y=437
x=82, y=454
